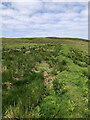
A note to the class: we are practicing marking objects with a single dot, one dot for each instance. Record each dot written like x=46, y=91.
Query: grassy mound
x=49, y=81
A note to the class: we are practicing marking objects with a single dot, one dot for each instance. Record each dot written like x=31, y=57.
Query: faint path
x=47, y=73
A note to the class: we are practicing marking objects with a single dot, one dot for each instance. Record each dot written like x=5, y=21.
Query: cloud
x=44, y=19
x=45, y=0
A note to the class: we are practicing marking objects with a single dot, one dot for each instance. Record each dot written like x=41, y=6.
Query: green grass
x=53, y=61
x=19, y=42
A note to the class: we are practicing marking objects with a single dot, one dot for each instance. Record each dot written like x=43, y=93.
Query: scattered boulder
x=27, y=52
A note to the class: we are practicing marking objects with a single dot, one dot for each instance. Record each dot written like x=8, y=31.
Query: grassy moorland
x=45, y=78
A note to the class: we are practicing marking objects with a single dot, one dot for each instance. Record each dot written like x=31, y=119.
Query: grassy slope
x=18, y=42
x=49, y=82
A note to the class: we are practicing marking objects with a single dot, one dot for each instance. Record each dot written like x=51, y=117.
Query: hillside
x=45, y=77
x=19, y=42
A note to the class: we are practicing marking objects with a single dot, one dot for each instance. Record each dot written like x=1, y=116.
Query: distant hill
x=18, y=42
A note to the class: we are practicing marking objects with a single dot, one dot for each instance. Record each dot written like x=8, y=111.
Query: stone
x=27, y=52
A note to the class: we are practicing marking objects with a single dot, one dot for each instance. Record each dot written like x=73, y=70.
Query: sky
x=42, y=19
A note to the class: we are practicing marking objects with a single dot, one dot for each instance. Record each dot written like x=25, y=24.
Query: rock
x=27, y=52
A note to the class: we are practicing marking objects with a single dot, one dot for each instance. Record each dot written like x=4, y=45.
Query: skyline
x=44, y=19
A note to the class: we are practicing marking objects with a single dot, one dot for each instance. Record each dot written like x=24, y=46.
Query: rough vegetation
x=46, y=80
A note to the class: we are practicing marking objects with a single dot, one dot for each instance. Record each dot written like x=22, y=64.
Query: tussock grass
x=62, y=66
